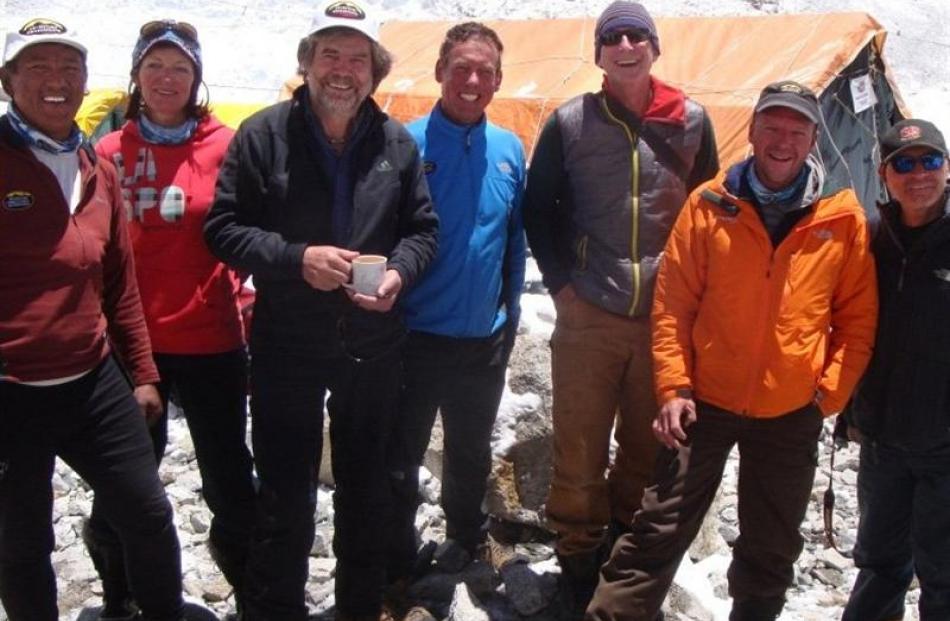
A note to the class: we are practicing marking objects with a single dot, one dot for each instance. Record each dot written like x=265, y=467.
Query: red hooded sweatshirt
x=190, y=298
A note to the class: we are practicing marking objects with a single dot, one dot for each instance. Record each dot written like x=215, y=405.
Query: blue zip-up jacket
x=476, y=175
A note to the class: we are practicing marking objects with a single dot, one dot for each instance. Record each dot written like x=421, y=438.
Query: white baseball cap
x=40, y=30
x=352, y=14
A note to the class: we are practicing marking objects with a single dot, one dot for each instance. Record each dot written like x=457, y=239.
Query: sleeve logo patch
x=18, y=200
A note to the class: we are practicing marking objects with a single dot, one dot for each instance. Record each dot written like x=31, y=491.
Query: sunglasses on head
x=161, y=26
x=634, y=35
x=903, y=164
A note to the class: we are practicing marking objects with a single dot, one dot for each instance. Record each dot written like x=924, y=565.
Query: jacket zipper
x=634, y=206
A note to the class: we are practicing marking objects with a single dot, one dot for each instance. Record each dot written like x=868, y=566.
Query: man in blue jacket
x=901, y=409
x=463, y=313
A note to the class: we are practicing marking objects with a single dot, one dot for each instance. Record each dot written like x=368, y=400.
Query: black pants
x=777, y=460
x=904, y=497
x=287, y=399
x=212, y=392
x=94, y=424
x=464, y=380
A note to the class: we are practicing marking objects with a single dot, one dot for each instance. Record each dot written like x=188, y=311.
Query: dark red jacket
x=189, y=297
x=66, y=280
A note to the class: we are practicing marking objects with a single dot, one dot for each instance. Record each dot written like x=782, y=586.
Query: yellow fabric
x=97, y=105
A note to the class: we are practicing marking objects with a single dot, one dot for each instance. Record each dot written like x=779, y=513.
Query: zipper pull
x=900, y=280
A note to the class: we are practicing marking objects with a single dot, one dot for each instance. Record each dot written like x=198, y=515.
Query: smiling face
x=629, y=61
x=919, y=192
x=47, y=87
x=781, y=141
x=166, y=78
x=470, y=74
x=340, y=74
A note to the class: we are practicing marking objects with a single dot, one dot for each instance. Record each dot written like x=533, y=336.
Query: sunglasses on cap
x=903, y=164
x=161, y=26
x=614, y=37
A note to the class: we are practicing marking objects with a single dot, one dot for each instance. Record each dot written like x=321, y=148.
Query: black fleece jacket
x=273, y=199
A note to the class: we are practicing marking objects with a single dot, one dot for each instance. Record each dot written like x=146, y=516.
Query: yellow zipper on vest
x=634, y=205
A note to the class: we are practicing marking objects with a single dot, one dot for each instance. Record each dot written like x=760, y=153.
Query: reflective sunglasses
x=903, y=164
x=161, y=26
x=634, y=36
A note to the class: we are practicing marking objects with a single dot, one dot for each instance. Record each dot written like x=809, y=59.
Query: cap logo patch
x=345, y=10
x=42, y=26
x=791, y=88
x=910, y=132
x=17, y=200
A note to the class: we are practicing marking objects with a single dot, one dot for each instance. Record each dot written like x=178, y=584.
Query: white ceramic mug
x=368, y=271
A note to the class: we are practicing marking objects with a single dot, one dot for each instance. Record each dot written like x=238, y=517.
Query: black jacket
x=273, y=199
x=903, y=399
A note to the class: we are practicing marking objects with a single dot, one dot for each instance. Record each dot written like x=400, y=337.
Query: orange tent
x=722, y=62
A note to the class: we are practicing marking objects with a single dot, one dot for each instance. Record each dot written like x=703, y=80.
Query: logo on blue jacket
x=18, y=200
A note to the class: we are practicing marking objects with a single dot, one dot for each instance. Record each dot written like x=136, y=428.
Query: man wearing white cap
x=307, y=186
x=69, y=311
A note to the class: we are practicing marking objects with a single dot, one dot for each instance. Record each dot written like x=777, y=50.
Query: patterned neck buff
x=36, y=138
x=765, y=196
x=157, y=134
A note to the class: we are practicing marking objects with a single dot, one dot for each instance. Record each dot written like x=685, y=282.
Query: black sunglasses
x=161, y=26
x=634, y=36
x=903, y=164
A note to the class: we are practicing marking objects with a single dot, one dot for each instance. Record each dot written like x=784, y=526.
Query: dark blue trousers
x=464, y=380
x=904, y=498
x=212, y=393
x=95, y=425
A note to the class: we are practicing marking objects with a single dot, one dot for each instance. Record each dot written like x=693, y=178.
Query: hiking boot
x=579, y=575
x=499, y=555
x=757, y=609
x=384, y=615
x=125, y=612
x=105, y=550
x=451, y=557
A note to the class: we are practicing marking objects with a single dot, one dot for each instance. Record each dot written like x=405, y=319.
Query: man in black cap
x=763, y=321
x=610, y=172
x=901, y=409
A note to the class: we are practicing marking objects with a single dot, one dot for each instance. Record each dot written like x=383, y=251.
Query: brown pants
x=600, y=364
x=777, y=459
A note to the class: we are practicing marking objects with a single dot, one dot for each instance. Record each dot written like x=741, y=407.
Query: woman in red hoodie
x=167, y=155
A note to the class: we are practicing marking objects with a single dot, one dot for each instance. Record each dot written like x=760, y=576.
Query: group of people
x=697, y=310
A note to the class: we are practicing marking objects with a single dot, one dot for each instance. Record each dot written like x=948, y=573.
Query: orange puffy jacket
x=761, y=330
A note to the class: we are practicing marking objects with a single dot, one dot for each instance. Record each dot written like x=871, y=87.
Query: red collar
x=667, y=106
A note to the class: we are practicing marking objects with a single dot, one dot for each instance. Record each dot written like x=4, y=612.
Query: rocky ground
x=525, y=588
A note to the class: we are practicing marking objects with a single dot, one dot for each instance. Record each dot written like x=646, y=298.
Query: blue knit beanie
x=624, y=15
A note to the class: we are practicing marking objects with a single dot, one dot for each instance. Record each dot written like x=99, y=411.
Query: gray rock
x=831, y=577
x=465, y=606
x=199, y=521
x=683, y=603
